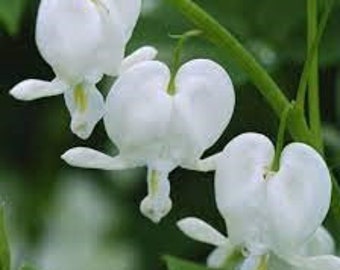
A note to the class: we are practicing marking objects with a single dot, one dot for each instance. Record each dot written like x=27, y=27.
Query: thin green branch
x=313, y=81
x=312, y=53
x=177, y=56
x=281, y=138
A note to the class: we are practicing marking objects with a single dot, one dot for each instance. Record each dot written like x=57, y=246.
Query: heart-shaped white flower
x=284, y=208
x=82, y=40
x=273, y=216
x=154, y=129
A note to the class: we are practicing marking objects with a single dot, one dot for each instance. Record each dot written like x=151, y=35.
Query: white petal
x=325, y=262
x=220, y=255
x=241, y=189
x=321, y=243
x=278, y=263
x=146, y=53
x=75, y=36
x=110, y=51
x=88, y=158
x=201, y=231
x=86, y=106
x=157, y=204
x=33, y=89
x=138, y=111
x=128, y=12
x=298, y=196
x=204, y=165
x=203, y=106
x=252, y=263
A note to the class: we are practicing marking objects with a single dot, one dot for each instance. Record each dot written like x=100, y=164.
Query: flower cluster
x=162, y=120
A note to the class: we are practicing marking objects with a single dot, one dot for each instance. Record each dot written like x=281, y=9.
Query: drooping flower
x=225, y=253
x=81, y=40
x=161, y=131
x=272, y=212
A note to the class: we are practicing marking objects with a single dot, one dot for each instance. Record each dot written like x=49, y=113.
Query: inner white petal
x=157, y=204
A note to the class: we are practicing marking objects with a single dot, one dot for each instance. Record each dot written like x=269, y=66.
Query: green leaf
x=179, y=264
x=11, y=12
x=4, y=248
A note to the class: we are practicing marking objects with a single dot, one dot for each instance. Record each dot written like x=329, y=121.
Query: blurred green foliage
x=33, y=135
x=4, y=248
x=11, y=13
x=176, y=264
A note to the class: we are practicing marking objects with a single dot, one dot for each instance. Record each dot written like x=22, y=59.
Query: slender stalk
x=312, y=53
x=223, y=39
x=280, y=139
x=313, y=80
x=177, y=57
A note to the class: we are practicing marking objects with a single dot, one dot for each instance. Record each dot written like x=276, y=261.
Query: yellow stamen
x=263, y=263
x=153, y=182
x=80, y=98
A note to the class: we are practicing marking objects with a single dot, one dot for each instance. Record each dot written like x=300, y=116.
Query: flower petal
x=33, y=89
x=86, y=106
x=253, y=263
x=88, y=158
x=128, y=11
x=241, y=189
x=298, y=197
x=146, y=53
x=321, y=243
x=203, y=105
x=201, y=231
x=75, y=37
x=325, y=262
x=138, y=111
x=157, y=204
x=204, y=165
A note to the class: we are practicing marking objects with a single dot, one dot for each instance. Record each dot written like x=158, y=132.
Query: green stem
x=332, y=220
x=312, y=53
x=177, y=57
x=313, y=81
x=223, y=39
x=280, y=139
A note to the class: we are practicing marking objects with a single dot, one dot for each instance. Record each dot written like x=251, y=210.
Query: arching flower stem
x=176, y=64
x=280, y=138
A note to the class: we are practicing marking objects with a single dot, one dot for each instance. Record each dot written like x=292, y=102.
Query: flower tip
x=155, y=209
x=81, y=129
x=143, y=54
x=185, y=223
x=70, y=156
x=17, y=93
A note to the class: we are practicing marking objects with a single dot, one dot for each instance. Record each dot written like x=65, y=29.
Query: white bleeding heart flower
x=161, y=131
x=321, y=245
x=82, y=40
x=318, y=249
x=273, y=216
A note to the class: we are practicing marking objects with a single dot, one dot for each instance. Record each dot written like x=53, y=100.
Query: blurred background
x=60, y=217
